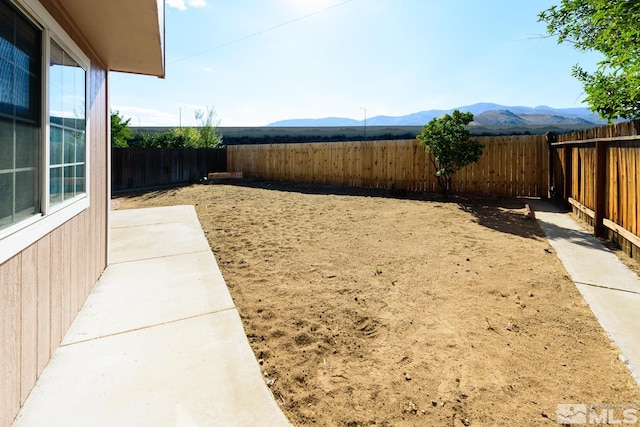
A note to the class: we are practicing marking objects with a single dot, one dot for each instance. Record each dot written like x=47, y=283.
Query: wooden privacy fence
x=133, y=168
x=596, y=171
x=510, y=165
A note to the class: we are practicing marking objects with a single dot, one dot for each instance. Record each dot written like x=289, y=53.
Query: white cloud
x=178, y=4
x=179, y=114
x=182, y=4
x=197, y=3
x=147, y=117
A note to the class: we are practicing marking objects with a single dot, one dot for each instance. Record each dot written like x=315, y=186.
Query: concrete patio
x=158, y=342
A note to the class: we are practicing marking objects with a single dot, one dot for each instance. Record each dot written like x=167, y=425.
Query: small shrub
x=450, y=146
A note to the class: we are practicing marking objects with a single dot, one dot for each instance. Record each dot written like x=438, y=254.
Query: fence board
x=622, y=166
x=634, y=189
x=133, y=168
x=613, y=186
x=528, y=181
x=416, y=180
x=510, y=166
x=623, y=195
x=391, y=166
x=517, y=168
x=493, y=171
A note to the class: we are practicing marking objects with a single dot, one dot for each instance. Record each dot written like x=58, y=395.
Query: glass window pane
x=56, y=61
x=35, y=98
x=80, y=179
x=26, y=193
x=79, y=95
x=56, y=95
x=6, y=144
x=22, y=95
x=6, y=28
x=56, y=108
x=27, y=70
x=69, y=182
x=74, y=78
x=68, y=102
x=55, y=153
x=55, y=185
x=80, y=148
x=6, y=195
x=27, y=146
x=27, y=40
x=68, y=118
x=69, y=148
x=20, y=129
x=6, y=84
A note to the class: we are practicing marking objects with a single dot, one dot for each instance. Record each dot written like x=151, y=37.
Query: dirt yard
x=371, y=308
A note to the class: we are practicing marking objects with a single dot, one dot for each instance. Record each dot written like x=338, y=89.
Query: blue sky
x=260, y=61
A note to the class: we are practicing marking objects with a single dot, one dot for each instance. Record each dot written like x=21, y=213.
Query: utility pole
x=365, y=123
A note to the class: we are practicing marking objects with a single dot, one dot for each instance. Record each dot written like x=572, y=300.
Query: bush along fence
x=596, y=173
x=137, y=168
x=510, y=165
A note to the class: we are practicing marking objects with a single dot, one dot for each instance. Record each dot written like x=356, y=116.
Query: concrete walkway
x=158, y=342
x=607, y=285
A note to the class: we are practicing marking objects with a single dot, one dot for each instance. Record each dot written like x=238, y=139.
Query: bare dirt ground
x=369, y=308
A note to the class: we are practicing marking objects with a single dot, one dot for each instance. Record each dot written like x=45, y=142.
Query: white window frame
x=24, y=233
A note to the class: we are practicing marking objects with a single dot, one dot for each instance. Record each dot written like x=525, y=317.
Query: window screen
x=20, y=112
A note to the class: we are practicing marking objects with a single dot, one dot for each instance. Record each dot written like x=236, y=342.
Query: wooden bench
x=224, y=175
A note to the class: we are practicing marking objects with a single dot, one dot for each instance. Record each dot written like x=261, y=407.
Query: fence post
x=600, y=188
x=551, y=137
x=568, y=173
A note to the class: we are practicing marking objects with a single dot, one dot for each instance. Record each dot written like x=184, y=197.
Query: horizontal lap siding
x=510, y=166
x=43, y=287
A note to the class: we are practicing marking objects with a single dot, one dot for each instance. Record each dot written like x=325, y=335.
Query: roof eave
x=127, y=36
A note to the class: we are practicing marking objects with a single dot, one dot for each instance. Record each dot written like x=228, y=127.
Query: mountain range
x=485, y=114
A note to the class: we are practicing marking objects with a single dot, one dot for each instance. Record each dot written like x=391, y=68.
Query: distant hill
x=298, y=134
x=490, y=119
x=506, y=117
x=498, y=117
x=543, y=119
x=487, y=114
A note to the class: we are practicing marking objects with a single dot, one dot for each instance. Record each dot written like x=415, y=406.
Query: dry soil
x=367, y=308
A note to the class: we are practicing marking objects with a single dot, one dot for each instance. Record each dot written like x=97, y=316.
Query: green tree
x=611, y=28
x=150, y=140
x=206, y=135
x=120, y=132
x=450, y=146
x=208, y=128
x=184, y=137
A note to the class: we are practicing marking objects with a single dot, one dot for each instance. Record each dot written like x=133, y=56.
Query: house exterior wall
x=43, y=287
